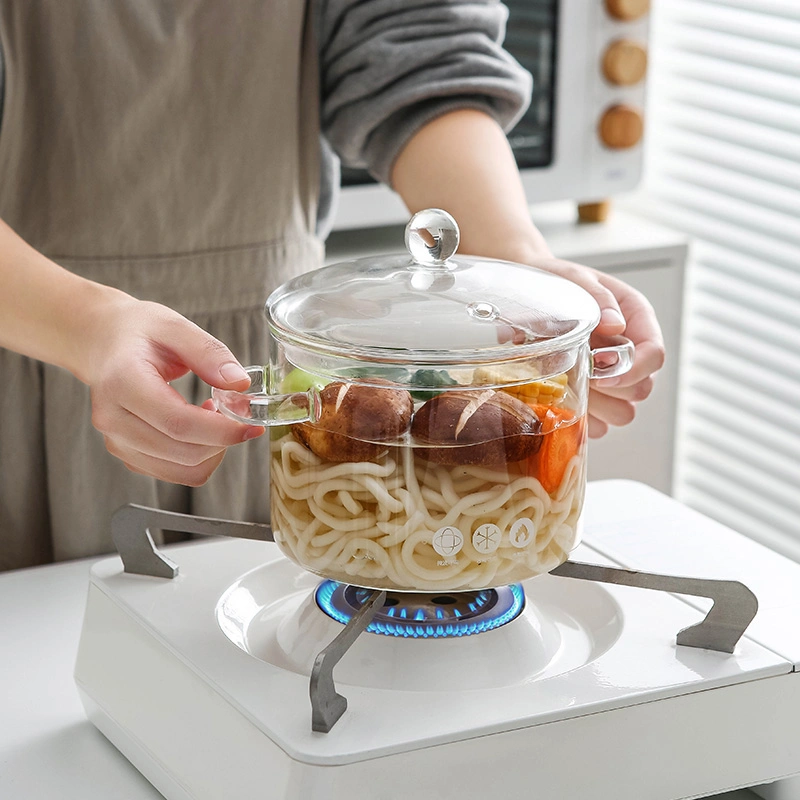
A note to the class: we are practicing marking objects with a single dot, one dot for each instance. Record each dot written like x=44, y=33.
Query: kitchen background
x=721, y=431
x=722, y=173
x=723, y=165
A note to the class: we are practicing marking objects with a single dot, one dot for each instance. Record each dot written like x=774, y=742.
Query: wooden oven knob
x=625, y=62
x=627, y=9
x=621, y=126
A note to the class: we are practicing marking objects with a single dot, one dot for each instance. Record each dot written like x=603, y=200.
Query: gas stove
x=235, y=673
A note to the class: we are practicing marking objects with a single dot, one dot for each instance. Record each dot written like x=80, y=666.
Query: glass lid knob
x=432, y=237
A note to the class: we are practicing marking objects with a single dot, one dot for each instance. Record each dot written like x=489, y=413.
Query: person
x=163, y=167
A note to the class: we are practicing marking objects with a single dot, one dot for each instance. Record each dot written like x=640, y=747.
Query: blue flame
x=394, y=620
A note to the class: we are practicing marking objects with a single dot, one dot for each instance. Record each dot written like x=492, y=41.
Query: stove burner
x=426, y=616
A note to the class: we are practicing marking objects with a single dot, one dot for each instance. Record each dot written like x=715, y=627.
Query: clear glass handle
x=608, y=362
x=257, y=407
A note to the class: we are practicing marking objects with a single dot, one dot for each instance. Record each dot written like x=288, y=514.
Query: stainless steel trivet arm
x=327, y=705
x=733, y=609
x=130, y=528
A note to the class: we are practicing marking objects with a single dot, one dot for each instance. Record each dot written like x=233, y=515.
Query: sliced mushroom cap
x=354, y=420
x=476, y=427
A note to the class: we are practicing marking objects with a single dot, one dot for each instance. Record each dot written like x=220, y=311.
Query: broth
x=404, y=523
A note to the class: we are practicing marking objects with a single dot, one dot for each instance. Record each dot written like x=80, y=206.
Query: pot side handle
x=608, y=362
x=257, y=407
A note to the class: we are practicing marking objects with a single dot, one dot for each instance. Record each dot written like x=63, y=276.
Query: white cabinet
x=646, y=255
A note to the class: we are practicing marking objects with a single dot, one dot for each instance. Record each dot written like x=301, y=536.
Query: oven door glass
x=531, y=38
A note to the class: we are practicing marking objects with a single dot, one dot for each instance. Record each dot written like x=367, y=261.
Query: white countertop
x=47, y=747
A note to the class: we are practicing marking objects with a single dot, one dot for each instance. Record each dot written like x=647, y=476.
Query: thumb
x=207, y=357
x=611, y=294
x=611, y=322
x=600, y=286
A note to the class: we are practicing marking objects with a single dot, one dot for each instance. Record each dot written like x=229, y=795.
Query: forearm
x=462, y=162
x=46, y=312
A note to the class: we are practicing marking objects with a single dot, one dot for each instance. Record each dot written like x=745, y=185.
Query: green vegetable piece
x=430, y=379
x=298, y=380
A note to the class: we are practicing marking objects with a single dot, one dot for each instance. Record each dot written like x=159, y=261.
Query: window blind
x=723, y=164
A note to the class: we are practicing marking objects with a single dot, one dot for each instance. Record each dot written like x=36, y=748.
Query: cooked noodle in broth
x=372, y=523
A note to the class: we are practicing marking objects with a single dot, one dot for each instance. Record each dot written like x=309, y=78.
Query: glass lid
x=429, y=306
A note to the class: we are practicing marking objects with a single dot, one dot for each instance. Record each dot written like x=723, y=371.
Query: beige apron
x=169, y=149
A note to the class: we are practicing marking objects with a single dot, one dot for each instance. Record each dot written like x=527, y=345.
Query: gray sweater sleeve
x=390, y=66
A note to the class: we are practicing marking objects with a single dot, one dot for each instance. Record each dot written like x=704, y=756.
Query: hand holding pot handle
x=624, y=310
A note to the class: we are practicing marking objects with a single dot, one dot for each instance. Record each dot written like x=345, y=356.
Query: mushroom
x=355, y=419
x=476, y=427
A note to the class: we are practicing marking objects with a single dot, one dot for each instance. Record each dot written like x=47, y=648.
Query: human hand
x=624, y=310
x=136, y=348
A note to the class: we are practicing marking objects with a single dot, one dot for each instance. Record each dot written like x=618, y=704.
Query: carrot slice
x=561, y=440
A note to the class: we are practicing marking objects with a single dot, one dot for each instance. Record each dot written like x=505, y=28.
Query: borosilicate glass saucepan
x=427, y=416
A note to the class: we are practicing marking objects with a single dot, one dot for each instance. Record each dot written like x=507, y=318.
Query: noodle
x=374, y=523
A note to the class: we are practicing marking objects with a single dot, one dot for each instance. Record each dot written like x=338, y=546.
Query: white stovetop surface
x=639, y=662
x=48, y=748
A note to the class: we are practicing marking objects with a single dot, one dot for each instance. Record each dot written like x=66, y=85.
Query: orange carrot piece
x=561, y=440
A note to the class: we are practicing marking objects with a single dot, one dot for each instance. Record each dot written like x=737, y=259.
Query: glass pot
x=427, y=415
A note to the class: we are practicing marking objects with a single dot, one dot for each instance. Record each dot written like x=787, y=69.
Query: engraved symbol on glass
x=447, y=541
x=522, y=532
x=486, y=539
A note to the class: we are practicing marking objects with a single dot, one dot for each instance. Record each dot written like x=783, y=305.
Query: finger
x=641, y=321
x=597, y=428
x=642, y=329
x=190, y=347
x=152, y=400
x=253, y=431
x=612, y=318
x=611, y=410
x=634, y=394
x=173, y=473
x=169, y=413
x=648, y=358
x=132, y=434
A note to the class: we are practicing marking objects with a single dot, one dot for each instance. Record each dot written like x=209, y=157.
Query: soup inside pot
x=462, y=488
